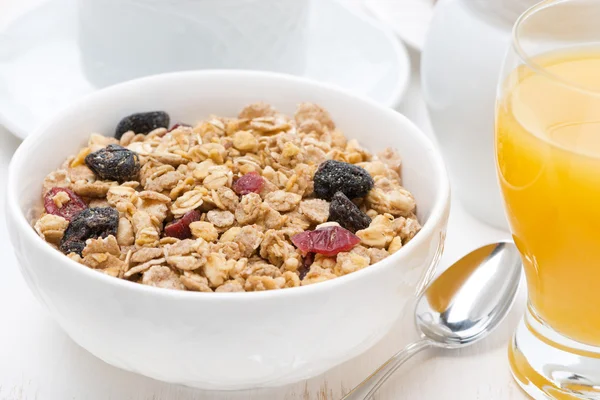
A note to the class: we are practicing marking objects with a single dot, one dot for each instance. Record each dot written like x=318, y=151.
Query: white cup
x=126, y=39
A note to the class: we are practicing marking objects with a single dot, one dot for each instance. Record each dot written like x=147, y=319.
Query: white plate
x=40, y=69
x=408, y=18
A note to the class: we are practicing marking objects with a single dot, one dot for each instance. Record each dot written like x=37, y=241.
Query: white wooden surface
x=38, y=361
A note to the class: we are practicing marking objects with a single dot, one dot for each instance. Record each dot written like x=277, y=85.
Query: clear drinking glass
x=548, y=162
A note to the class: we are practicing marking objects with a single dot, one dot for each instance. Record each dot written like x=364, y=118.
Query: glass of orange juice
x=548, y=162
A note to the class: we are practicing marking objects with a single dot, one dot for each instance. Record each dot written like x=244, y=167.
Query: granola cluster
x=228, y=205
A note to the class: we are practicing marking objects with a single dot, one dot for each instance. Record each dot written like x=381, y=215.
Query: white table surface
x=38, y=361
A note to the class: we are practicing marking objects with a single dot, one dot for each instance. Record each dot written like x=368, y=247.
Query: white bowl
x=226, y=340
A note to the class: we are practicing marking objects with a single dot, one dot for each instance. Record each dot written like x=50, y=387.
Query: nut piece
x=230, y=286
x=379, y=233
x=217, y=269
x=102, y=245
x=146, y=233
x=249, y=238
x=395, y=245
x=195, y=282
x=162, y=277
x=389, y=197
x=391, y=157
x=350, y=262
x=187, y=255
x=163, y=178
x=376, y=255
x=225, y=198
x=204, y=230
x=317, y=274
x=282, y=201
x=51, y=227
x=103, y=254
x=275, y=248
x=188, y=202
x=230, y=250
x=297, y=221
x=92, y=189
x=316, y=210
x=269, y=218
x=230, y=234
x=123, y=198
x=220, y=219
x=256, y=110
x=244, y=141
x=247, y=211
x=260, y=283
x=58, y=178
x=312, y=112
x=145, y=254
x=81, y=173
x=406, y=228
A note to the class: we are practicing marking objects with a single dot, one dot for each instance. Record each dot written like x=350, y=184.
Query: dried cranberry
x=179, y=125
x=252, y=182
x=180, y=228
x=347, y=214
x=327, y=241
x=144, y=122
x=90, y=223
x=69, y=209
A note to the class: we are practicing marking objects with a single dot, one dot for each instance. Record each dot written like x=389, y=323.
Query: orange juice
x=548, y=156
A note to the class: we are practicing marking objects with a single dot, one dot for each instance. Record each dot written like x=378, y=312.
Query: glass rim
x=527, y=60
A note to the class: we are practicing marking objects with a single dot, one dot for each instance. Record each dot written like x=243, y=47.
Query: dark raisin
x=307, y=261
x=328, y=241
x=251, y=182
x=114, y=163
x=69, y=209
x=180, y=228
x=336, y=176
x=142, y=122
x=91, y=223
x=343, y=211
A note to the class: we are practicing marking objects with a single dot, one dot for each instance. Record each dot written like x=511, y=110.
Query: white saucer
x=40, y=69
x=408, y=18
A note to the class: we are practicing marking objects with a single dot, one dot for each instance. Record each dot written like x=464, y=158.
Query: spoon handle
x=369, y=386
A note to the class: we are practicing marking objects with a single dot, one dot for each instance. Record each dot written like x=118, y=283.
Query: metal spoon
x=460, y=307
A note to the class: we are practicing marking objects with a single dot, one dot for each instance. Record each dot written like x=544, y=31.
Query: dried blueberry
x=343, y=211
x=90, y=223
x=114, y=163
x=307, y=261
x=142, y=122
x=336, y=176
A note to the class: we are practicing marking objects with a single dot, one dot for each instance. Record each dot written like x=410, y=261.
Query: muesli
x=258, y=202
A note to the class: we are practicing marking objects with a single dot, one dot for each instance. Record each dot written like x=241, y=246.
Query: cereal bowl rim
x=20, y=157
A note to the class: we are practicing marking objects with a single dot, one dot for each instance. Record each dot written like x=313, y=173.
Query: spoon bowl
x=464, y=304
x=470, y=298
